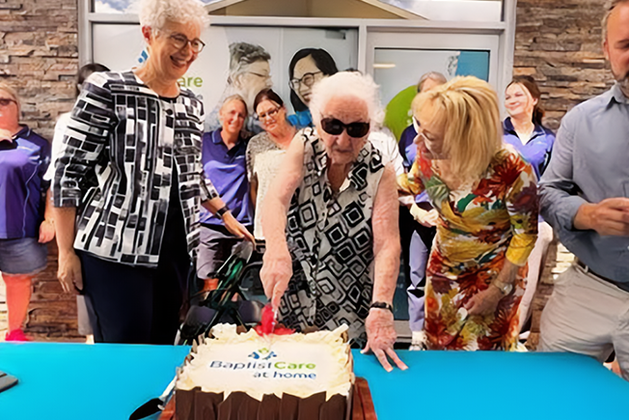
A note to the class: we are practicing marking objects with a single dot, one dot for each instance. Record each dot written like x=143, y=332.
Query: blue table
x=105, y=381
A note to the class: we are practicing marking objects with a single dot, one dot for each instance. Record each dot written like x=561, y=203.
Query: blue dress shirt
x=590, y=163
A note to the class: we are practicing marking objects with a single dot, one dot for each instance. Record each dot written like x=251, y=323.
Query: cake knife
x=154, y=405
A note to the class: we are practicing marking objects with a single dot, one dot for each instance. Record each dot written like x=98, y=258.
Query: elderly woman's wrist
x=381, y=305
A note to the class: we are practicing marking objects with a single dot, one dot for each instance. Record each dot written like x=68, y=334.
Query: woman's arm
x=380, y=327
x=231, y=224
x=522, y=204
x=47, y=227
x=84, y=139
x=277, y=267
x=253, y=190
x=69, y=271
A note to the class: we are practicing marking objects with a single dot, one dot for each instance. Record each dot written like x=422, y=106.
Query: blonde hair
x=468, y=109
x=12, y=92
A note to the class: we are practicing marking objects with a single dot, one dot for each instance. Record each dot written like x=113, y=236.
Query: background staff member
x=24, y=158
x=224, y=164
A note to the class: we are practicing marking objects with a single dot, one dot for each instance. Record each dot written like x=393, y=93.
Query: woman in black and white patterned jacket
x=129, y=245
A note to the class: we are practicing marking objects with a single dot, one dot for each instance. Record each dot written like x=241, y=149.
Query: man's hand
x=46, y=231
x=275, y=274
x=610, y=217
x=236, y=228
x=381, y=337
x=69, y=272
x=485, y=302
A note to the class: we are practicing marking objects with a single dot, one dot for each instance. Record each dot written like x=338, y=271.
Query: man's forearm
x=65, y=224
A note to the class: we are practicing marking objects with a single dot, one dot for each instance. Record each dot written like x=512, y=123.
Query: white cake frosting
x=296, y=364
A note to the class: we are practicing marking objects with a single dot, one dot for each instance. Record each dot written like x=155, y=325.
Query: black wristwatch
x=220, y=212
x=381, y=305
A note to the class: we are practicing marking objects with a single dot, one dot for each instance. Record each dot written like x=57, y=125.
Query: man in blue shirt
x=585, y=197
x=224, y=163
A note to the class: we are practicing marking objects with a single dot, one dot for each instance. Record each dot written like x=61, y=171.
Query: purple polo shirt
x=23, y=163
x=537, y=149
x=227, y=169
x=408, y=150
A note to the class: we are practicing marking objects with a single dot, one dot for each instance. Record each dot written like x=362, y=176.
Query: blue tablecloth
x=106, y=381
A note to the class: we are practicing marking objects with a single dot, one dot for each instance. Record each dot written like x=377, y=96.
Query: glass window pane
x=459, y=10
x=122, y=6
x=397, y=71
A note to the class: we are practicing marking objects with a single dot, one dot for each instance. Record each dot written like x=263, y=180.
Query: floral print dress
x=479, y=227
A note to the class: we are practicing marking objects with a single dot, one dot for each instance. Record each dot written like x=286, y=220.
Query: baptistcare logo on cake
x=267, y=364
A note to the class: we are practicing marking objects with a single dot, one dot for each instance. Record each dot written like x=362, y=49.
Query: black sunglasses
x=335, y=127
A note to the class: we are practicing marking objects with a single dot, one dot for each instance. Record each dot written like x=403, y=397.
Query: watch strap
x=220, y=212
x=382, y=305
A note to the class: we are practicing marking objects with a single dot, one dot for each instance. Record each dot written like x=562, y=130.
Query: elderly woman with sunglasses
x=330, y=222
x=128, y=240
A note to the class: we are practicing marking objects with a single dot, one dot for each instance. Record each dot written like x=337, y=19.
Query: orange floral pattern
x=479, y=227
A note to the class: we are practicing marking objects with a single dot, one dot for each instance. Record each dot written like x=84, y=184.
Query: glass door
x=397, y=61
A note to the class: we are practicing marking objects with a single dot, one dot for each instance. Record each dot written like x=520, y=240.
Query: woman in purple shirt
x=24, y=158
x=523, y=129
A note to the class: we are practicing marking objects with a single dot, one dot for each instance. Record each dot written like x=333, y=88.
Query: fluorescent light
x=383, y=65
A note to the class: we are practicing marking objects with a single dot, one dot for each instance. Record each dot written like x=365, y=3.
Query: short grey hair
x=235, y=98
x=609, y=8
x=347, y=84
x=432, y=75
x=241, y=54
x=156, y=13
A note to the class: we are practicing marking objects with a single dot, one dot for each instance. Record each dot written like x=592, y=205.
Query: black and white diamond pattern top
x=330, y=235
x=132, y=138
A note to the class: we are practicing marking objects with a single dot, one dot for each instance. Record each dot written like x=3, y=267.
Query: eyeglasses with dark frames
x=269, y=114
x=307, y=79
x=180, y=41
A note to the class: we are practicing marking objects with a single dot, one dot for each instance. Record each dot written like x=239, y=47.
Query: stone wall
x=39, y=56
x=559, y=44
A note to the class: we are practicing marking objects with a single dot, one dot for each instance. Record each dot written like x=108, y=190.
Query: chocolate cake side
x=198, y=405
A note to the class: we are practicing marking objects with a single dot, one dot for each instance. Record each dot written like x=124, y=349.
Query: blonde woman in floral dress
x=486, y=196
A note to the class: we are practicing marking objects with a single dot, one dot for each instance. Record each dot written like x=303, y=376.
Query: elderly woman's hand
x=381, y=337
x=275, y=274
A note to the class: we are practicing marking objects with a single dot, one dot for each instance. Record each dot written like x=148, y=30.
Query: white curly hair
x=347, y=84
x=156, y=13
